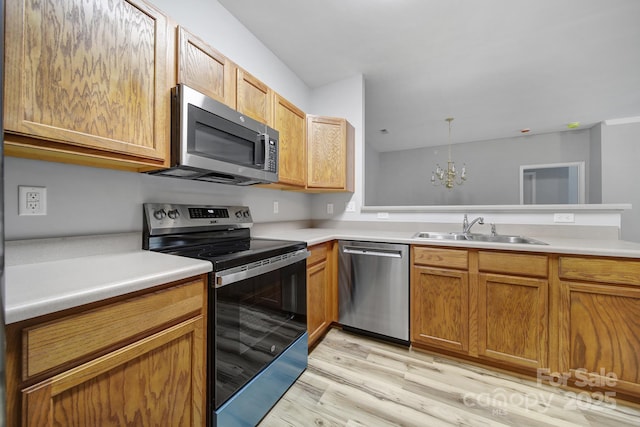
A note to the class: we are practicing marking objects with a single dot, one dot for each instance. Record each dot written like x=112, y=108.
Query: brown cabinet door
x=290, y=122
x=317, y=301
x=329, y=153
x=440, y=308
x=155, y=381
x=512, y=319
x=599, y=337
x=254, y=98
x=88, y=78
x=204, y=69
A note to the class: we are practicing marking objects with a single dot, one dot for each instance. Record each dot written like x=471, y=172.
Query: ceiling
x=496, y=66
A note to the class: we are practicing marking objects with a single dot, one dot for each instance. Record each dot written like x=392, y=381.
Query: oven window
x=255, y=320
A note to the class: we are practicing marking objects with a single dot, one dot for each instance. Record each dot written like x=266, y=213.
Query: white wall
x=371, y=173
x=84, y=200
x=620, y=172
x=594, y=172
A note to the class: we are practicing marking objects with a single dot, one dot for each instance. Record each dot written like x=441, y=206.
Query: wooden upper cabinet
x=205, y=69
x=291, y=124
x=253, y=98
x=330, y=153
x=88, y=82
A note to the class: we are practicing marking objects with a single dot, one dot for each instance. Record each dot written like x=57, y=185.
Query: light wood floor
x=356, y=381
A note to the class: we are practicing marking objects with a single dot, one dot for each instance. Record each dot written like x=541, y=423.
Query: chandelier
x=449, y=177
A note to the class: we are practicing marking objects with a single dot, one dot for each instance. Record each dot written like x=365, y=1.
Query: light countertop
x=57, y=274
x=35, y=289
x=577, y=246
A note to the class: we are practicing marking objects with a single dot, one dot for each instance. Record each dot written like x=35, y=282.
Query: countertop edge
x=159, y=269
x=567, y=246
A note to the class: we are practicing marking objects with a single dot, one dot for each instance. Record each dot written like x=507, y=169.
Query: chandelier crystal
x=449, y=176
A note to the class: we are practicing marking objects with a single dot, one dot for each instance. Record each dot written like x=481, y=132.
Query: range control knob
x=246, y=214
x=238, y=214
x=159, y=214
x=173, y=214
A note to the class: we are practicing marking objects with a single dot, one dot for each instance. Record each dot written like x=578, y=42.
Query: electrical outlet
x=330, y=208
x=276, y=207
x=32, y=200
x=564, y=217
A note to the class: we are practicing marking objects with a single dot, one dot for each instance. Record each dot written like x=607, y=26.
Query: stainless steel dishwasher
x=373, y=280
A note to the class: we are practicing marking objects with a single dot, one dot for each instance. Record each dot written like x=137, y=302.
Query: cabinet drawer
x=623, y=272
x=510, y=263
x=318, y=254
x=438, y=257
x=70, y=338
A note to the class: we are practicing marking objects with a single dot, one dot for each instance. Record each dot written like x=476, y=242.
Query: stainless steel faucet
x=466, y=225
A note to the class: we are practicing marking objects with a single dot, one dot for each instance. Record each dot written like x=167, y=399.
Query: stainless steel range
x=257, y=314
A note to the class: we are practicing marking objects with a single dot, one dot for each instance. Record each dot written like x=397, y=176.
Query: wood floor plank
x=356, y=381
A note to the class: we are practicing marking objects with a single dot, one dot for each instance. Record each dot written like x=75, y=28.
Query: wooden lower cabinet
x=572, y=320
x=152, y=373
x=512, y=308
x=322, y=299
x=440, y=308
x=145, y=383
x=512, y=319
x=440, y=298
x=472, y=302
x=599, y=340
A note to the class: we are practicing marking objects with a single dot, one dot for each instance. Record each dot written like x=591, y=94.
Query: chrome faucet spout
x=466, y=225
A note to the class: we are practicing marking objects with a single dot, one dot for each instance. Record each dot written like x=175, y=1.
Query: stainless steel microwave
x=212, y=142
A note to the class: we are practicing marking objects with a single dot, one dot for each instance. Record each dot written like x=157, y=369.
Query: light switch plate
x=330, y=208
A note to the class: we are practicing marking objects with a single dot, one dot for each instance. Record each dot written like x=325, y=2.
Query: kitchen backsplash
x=85, y=201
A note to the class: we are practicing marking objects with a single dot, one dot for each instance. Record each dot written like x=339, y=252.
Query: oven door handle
x=232, y=275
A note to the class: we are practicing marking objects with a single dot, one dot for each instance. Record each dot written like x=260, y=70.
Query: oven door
x=256, y=312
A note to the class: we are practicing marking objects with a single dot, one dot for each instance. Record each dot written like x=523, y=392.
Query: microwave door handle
x=267, y=153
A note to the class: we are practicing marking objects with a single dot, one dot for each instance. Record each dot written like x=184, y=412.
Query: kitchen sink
x=498, y=238
x=440, y=236
x=503, y=238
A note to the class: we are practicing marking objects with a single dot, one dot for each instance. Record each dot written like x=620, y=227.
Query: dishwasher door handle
x=372, y=252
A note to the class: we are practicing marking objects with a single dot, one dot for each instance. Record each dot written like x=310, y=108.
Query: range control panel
x=164, y=218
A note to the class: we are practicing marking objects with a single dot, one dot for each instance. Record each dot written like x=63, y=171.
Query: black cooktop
x=235, y=253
